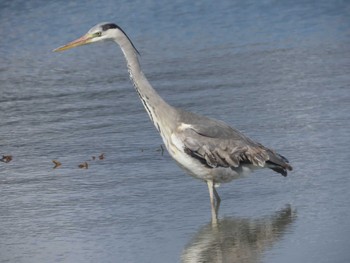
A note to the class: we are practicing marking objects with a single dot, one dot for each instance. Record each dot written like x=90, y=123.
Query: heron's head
x=100, y=32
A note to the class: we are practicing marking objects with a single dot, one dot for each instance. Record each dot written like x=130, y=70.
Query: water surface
x=277, y=71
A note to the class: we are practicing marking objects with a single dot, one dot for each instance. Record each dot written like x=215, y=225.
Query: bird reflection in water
x=238, y=239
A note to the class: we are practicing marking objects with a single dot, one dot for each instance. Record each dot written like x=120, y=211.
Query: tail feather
x=279, y=163
x=279, y=169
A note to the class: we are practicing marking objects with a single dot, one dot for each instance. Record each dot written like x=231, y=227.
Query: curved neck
x=160, y=112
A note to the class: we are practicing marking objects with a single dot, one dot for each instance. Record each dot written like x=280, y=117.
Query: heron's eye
x=98, y=34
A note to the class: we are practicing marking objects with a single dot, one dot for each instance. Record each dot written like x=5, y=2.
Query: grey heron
x=207, y=149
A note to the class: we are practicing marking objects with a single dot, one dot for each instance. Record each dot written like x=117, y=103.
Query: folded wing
x=218, y=145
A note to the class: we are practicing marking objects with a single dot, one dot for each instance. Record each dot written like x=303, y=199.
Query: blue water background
x=277, y=70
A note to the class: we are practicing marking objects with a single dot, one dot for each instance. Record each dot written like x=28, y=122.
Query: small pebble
x=6, y=158
x=83, y=165
x=56, y=163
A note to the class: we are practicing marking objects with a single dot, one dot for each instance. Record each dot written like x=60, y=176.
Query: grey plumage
x=207, y=149
x=215, y=144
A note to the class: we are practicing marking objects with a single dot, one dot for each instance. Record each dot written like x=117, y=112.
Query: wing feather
x=218, y=145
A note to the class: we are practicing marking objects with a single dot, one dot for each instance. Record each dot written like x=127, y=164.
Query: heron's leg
x=214, y=205
x=217, y=197
x=218, y=200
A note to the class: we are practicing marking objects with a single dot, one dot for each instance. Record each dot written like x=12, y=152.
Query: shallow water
x=279, y=72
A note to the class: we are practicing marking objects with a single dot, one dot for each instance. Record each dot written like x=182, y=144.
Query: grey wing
x=216, y=144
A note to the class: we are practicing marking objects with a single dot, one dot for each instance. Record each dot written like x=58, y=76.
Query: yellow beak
x=86, y=39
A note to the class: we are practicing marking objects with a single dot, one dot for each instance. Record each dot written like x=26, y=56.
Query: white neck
x=161, y=113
